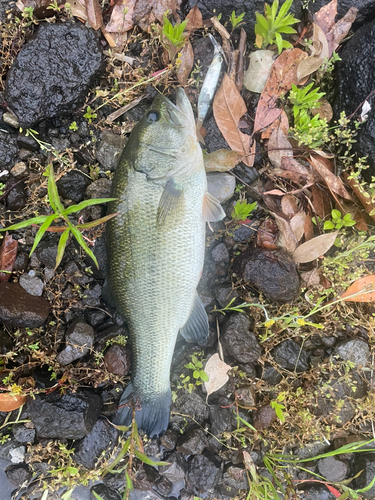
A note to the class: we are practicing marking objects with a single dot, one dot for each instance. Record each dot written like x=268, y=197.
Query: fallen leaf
x=333, y=182
x=308, y=66
x=78, y=9
x=339, y=31
x=282, y=122
x=195, y=20
x=267, y=234
x=297, y=223
x=283, y=74
x=121, y=19
x=286, y=239
x=221, y=160
x=320, y=36
x=8, y=254
x=187, y=61
x=309, y=228
x=278, y=147
x=311, y=278
x=315, y=248
x=362, y=290
x=363, y=196
x=240, y=61
x=110, y=39
x=8, y=402
x=325, y=17
x=289, y=205
x=321, y=201
x=256, y=75
x=294, y=170
x=228, y=108
x=324, y=111
x=217, y=372
x=248, y=462
x=147, y=12
x=94, y=14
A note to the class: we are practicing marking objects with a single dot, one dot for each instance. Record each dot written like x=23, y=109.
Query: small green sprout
x=236, y=21
x=73, y=126
x=269, y=26
x=173, y=37
x=62, y=213
x=28, y=13
x=242, y=210
x=90, y=115
x=338, y=221
x=304, y=98
x=196, y=365
x=278, y=407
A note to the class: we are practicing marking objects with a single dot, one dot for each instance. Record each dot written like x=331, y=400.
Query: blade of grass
x=53, y=194
x=144, y=458
x=26, y=223
x=78, y=236
x=82, y=227
x=42, y=230
x=61, y=247
x=119, y=457
x=86, y=203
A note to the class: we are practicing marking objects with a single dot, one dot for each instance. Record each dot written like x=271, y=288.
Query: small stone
x=243, y=233
x=101, y=439
x=20, y=309
x=32, y=284
x=354, y=350
x=312, y=449
x=79, y=340
x=164, y=486
x=221, y=420
x=176, y=471
x=8, y=150
x=333, y=469
x=273, y=272
x=92, y=296
x=203, y=472
x=70, y=416
x=291, y=356
x=99, y=189
x=271, y=375
x=27, y=142
x=193, y=442
x=117, y=360
x=365, y=462
x=17, y=455
x=264, y=417
x=21, y=262
x=186, y=495
x=19, y=170
x=104, y=492
x=23, y=434
x=109, y=150
x=247, y=396
x=235, y=478
x=239, y=341
x=145, y=478
x=16, y=199
x=190, y=404
x=46, y=251
x=221, y=185
x=11, y=119
x=220, y=253
x=169, y=439
x=18, y=474
x=72, y=186
x=224, y=294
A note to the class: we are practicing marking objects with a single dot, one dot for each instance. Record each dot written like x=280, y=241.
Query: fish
x=156, y=248
x=209, y=86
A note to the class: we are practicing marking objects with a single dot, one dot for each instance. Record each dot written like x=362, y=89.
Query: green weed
x=304, y=99
x=242, y=210
x=269, y=27
x=173, y=37
x=236, y=21
x=90, y=114
x=338, y=222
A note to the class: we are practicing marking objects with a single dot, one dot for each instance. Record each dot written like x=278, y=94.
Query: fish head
x=165, y=139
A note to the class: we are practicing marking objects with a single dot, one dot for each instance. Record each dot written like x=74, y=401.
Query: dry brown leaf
x=108, y=36
x=339, y=31
x=362, y=290
x=315, y=248
x=286, y=239
x=256, y=75
x=283, y=75
x=325, y=17
x=8, y=402
x=289, y=205
x=311, y=278
x=228, y=108
x=320, y=201
x=78, y=9
x=94, y=14
x=8, y=254
x=147, y=12
x=363, y=196
x=294, y=170
x=195, y=20
x=320, y=36
x=297, y=223
x=221, y=160
x=187, y=61
x=217, y=372
x=324, y=111
x=278, y=147
x=281, y=122
x=122, y=17
x=308, y=66
x=267, y=234
x=309, y=228
x=333, y=182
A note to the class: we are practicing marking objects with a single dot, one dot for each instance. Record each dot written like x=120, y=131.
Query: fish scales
x=156, y=250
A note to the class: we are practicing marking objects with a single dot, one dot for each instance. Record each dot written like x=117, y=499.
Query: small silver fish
x=209, y=85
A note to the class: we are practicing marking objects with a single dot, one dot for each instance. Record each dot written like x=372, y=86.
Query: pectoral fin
x=212, y=210
x=171, y=204
x=195, y=330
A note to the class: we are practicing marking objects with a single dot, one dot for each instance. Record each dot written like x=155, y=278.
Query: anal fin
x=212, y=210
x=196, y=330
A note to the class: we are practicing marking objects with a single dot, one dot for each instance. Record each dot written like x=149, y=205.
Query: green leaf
x=26, y=223
x=190, y=366
x=262, y=21
x=98, y=497
x=86, y=203
x=284, y=9
x=97, y=222
x=279, y=42
x=73, y=471
x=203, y=375
x=61, y=247
x=286, y=29
x=196, y=374
x=53, y=194
x=274, y=9
x=328, y=225
x=42, y=230
x=144, y=458
x=122, y=453
x=129, y=482
x=78, y=236
x=198, y=365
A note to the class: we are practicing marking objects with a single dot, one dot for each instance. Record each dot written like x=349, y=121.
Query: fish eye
x=153, y=116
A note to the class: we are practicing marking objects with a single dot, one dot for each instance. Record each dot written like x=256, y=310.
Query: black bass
x=156, y=249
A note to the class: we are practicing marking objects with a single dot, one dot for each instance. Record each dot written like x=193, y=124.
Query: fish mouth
x=182, y=106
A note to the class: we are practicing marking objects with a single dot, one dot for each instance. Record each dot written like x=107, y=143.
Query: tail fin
x=152, y=416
